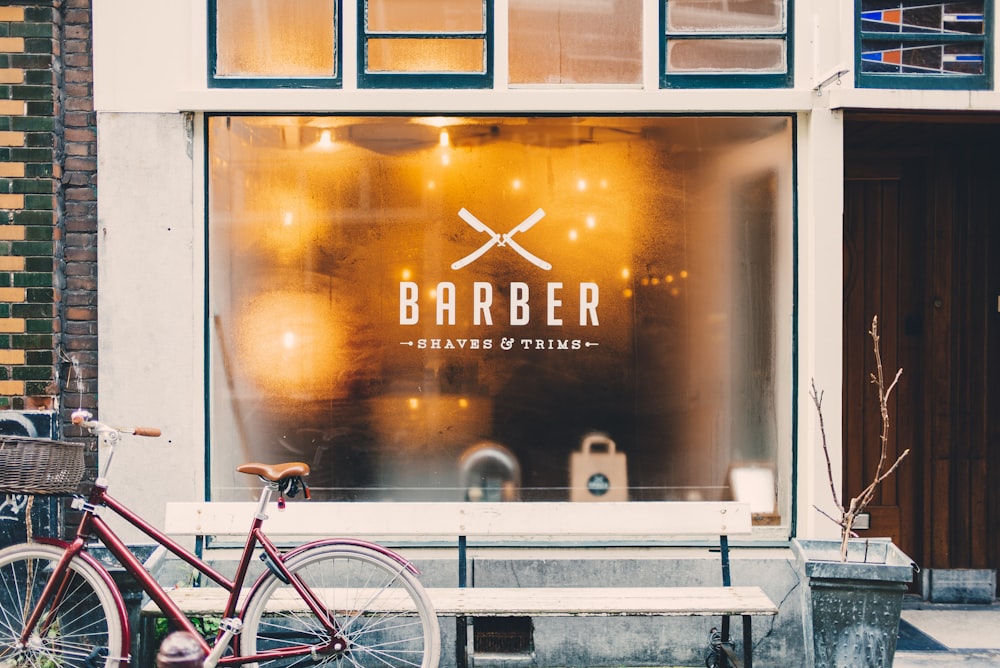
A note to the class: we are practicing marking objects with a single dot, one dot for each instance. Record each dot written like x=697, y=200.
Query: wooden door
x=922, y=245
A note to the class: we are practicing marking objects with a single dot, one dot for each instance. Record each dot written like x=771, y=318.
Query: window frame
x=890, y=80
x=258, y=81
x=425, y=80
x=728, y=79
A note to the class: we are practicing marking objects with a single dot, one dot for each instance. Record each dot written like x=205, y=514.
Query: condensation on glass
x=275, y=38
x=720, y=16
x=425, y=16
x=726, y=36
x=440, y=36
x=393, y=298
x=725, y=55
x=921, y=38
x=426, y=55
x=582, y=42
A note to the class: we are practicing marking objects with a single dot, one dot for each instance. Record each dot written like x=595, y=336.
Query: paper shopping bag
x=597, y=472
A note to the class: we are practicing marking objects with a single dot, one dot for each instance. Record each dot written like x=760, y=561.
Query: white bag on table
x=597, y=472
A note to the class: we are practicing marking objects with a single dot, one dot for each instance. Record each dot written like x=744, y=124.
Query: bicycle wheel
x=382, y=611
x=84, y=630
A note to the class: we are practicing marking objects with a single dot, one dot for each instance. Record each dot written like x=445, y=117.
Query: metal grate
x=502, y=635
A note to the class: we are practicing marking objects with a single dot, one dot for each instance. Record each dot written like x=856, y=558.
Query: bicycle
x=327, y=601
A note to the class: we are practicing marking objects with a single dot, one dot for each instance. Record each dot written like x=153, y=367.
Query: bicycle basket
x=39, y=466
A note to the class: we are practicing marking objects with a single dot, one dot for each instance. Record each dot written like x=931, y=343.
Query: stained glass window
x=725, y=43
x=916, y=44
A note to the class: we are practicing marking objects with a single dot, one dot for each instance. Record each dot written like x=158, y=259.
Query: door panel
x=922, y=244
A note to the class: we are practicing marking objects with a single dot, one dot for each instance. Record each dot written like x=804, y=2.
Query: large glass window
x=260, y=43
x=468, y=307
x=726, y=43
x=919, y=44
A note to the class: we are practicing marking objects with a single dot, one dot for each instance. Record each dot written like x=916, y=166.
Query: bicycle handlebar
x=84, y=418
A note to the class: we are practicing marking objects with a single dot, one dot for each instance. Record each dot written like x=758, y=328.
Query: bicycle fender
x=102, y=571
x=354, y=542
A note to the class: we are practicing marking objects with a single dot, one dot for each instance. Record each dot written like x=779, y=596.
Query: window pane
x=725, y=55
x=275, y=38
x=392, y=296
x=589, y=41
x=426, y=55
x=425, y=16
x=725, y=16
x=922, y=18
x=895, y=57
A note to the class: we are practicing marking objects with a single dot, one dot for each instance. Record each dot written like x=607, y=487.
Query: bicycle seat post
x=270, y=487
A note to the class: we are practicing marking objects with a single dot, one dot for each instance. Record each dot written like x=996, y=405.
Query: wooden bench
x=482, y=524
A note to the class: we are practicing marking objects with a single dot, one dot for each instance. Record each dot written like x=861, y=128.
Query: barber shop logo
x=504, y=240
x=598, y=484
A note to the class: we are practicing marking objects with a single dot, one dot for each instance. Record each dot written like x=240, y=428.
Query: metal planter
x=852, y=608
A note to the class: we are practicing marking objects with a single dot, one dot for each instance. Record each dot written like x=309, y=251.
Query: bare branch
x=817, y=398
x=858, y=504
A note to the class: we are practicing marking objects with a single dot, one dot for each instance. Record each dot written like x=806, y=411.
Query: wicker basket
x=39, y=466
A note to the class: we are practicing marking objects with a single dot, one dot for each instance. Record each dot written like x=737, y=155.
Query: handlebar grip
x=146, y=431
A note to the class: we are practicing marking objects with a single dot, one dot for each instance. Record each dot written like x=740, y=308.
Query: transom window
x=919, y=44
x=270, y=43
x=725, y=43
x=432, y=43
x=452, y=43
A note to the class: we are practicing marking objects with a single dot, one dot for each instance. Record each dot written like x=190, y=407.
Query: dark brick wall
x=48, y=209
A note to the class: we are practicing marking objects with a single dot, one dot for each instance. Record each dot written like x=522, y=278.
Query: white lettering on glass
x=482, y=304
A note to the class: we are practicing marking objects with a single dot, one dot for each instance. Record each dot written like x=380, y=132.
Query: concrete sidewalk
x=967, y=636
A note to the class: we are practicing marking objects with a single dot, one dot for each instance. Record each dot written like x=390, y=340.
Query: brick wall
x=48, y=207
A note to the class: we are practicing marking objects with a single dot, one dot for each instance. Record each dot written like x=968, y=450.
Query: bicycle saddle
x=275, y=472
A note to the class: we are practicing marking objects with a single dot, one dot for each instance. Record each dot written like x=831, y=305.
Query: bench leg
x=461, y=643
x=747, y=642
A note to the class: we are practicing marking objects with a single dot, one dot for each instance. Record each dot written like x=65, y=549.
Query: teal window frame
x=982, y=81
x=257, y=81
x=728, y=79
x=425, y=80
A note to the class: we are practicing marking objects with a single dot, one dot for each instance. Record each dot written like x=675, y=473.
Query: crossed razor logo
x=501, y=240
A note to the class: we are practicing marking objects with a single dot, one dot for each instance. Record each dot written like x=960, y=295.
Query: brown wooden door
x=922, y=246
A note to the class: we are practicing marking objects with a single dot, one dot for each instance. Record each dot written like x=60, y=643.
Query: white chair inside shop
x=753, y=483
x=489, y=472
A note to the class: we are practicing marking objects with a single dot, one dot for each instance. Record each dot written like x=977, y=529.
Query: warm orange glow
x=325, y=141
x=413, y=403
x=287, y=341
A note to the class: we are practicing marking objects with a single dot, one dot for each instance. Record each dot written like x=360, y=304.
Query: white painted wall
x=151, y=294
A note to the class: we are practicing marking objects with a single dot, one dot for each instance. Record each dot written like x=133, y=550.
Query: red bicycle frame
x=92, y=526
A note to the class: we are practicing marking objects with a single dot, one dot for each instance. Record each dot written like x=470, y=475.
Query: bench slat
x=644, y=521
x=602, y=601
x=533, y=601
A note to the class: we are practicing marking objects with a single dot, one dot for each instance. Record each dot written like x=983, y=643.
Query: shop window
x=553, y=42
x=726, y=43
x=919, y=44
x=274, y=43
x=501, y=308
x=427, y=44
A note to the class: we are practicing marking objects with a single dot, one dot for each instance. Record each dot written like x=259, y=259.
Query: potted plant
x=856, y=585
